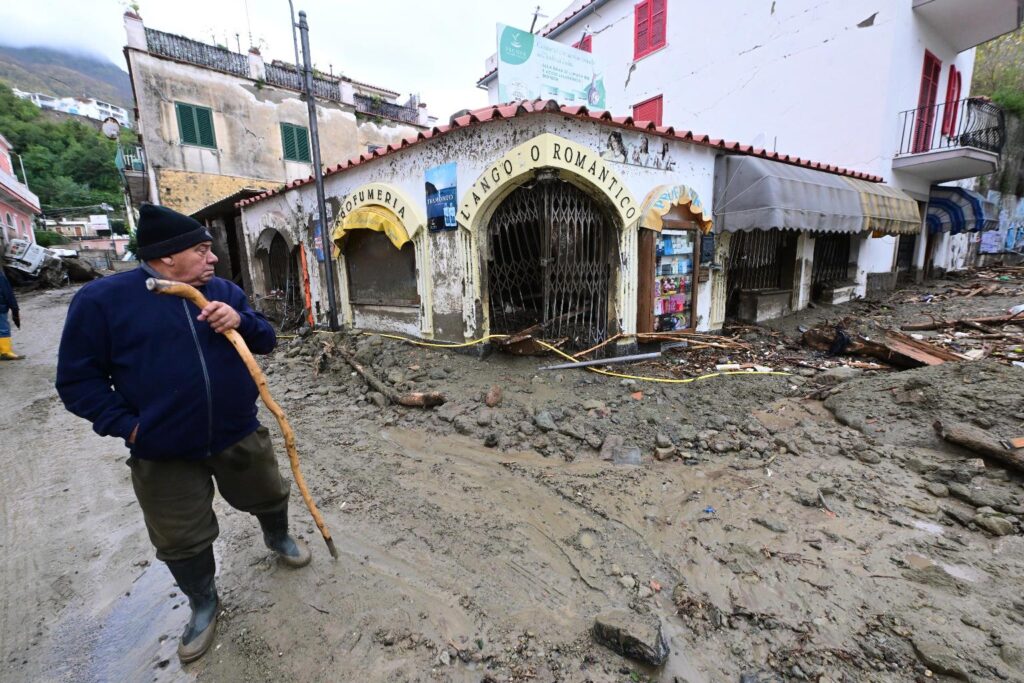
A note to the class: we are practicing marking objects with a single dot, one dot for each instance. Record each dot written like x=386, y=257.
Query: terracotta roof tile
x=514, y=109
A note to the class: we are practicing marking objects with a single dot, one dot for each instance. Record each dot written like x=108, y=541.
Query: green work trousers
x=176, y=496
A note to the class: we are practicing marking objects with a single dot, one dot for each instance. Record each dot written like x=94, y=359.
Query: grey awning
x=753, y=193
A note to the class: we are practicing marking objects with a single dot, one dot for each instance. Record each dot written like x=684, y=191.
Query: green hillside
x=40, y=69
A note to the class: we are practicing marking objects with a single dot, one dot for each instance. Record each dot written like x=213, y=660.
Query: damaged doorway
x=831, y=267
x=761, y=263
x=552, y=260
x=283, y=300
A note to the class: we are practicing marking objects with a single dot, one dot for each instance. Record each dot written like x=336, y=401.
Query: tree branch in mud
x=978, y=441
x=415, y=399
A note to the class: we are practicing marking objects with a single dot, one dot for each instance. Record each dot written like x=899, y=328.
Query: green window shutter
x=288, y=141
x=295, y=140
x=204, y=126
x=302, y=143
x=186, y=123
x=195, y=125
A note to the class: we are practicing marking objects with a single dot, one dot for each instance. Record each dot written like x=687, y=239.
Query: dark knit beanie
x=163, y=232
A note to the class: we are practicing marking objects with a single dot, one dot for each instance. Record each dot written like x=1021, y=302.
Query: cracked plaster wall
x=246, y=118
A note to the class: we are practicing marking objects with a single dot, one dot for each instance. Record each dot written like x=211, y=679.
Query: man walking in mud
x=7, y=303
x=157, y=372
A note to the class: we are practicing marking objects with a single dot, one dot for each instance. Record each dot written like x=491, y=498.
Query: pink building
x=17, y=204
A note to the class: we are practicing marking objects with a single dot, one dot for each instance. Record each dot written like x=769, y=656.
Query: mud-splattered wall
x=457, y=296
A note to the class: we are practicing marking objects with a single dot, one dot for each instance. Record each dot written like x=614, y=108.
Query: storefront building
x=579, y=225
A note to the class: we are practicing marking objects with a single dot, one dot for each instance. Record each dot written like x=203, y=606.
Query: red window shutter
x=649, y=110
x=924, y=123
x=658, y=24
x=952, y=97
x=642, y=29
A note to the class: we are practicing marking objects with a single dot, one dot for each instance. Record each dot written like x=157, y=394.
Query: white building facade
x=875, y=87
x=88, y=107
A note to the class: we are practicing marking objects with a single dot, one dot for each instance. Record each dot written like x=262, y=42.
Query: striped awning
x=887, y=211
x=759, y=194
x=956, y=210
x=372, y=217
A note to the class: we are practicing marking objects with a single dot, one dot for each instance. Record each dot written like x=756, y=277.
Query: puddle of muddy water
x=957, y=571
x=135, y=639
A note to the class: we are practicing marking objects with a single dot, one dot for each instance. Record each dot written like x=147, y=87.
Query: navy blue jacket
x=131, y=357
x=7, y=299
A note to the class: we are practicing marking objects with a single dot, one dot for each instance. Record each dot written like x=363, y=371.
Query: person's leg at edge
x=176, y=497
x=249, y=480
x=6, y=346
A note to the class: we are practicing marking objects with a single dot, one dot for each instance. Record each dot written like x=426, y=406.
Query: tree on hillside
x=68, y=163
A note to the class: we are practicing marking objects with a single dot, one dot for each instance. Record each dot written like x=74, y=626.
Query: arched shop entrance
x=552, y=260
x=548, y=238
x=282, y=291
x=382, y=242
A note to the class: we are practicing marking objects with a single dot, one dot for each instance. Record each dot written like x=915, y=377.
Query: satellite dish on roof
x=111, y=128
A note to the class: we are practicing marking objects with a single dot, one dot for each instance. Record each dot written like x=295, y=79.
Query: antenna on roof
x=536, y=13
x=248, y=23
x=238, y=42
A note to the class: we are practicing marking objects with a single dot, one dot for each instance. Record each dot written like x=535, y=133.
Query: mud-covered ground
x=799, y=527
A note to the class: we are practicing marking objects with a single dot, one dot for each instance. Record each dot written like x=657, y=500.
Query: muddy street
x=806, y=526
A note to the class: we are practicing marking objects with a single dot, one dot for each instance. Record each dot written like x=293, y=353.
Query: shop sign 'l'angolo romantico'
x=548, y=150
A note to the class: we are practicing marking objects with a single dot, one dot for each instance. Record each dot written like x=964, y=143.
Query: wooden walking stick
x=192, y=294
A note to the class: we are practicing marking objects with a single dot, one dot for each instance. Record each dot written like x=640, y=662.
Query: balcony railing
x=376, y=107
x=131, y=158
x=971, y=122
x=285, y=77
x=194, y=52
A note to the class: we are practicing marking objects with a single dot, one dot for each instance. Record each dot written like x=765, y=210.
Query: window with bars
x=295, y=141
x=584, y=44
x=648, y=110
x=195, y=125
x=649, y=27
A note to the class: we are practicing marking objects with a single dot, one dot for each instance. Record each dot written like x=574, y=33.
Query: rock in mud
x=377, y=399
x=839, y=374
x=997, y=526
x=662, y=441
x=1013, y=655
x=544, y=421
x=938, y=490
x=869, y=457
x=772, y=524
x=463, y=424
x=631, y=635
x=493, y=397
x=938, y=657
x=664, y=453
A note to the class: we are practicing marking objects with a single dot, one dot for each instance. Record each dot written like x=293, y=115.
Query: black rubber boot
x=292, y=551
x=195, y=579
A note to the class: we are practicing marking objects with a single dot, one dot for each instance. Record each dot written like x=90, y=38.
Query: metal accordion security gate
x=551, y=261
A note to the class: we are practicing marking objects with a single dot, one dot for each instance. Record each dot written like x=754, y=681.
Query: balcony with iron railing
x=951, y=140
x=193, y=52
x=377, y=107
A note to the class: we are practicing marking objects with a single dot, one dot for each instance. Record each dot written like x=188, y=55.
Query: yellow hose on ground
x=563, y=354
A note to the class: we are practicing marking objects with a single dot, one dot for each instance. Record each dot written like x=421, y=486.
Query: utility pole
x=314, y=141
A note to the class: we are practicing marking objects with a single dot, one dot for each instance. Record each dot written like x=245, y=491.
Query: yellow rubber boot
x=6, y=352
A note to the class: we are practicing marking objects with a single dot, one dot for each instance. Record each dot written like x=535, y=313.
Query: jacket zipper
x=206, y=378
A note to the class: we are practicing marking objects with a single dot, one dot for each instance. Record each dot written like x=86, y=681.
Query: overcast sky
x=431, y=47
